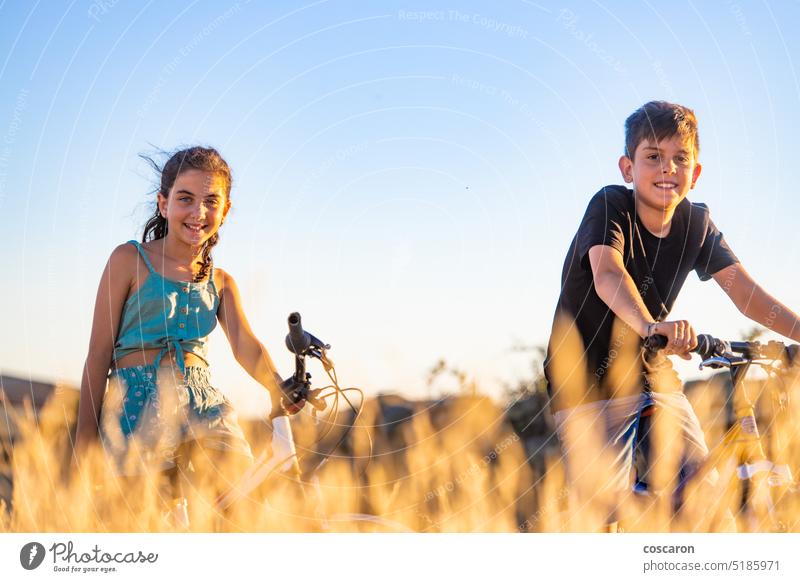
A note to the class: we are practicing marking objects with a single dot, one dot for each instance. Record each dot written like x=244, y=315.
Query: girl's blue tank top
x=166, y=314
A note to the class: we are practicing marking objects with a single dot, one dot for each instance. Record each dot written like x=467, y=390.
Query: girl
x=156, y=305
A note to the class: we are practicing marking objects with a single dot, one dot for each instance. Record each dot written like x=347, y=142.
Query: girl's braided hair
x=193, y=158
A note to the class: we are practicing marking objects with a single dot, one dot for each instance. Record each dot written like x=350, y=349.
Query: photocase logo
x=31, y=555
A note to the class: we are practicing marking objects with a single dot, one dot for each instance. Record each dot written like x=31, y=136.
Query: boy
x=622, y=274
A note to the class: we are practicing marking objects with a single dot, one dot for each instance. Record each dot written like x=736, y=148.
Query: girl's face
x=195, y=207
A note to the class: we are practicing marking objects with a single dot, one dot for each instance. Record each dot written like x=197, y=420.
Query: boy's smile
x=662, y=173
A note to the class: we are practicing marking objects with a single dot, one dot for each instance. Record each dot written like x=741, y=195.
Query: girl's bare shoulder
x=123, y=255
x=123, y=263
x=221, y=279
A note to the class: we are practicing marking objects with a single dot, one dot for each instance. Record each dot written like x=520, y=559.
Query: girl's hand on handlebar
x=681, y=337
x=288, y=399
x=292, y=407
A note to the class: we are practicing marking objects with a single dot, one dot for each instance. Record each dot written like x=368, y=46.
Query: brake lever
x=726, y=361
x=317, y=344
x=321, y=355
x=301, y=392
x=715, y=362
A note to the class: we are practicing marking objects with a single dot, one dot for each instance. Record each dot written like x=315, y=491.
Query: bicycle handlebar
x=297, y=389
x=300, y=342
x=708, y=346
x=297, y=340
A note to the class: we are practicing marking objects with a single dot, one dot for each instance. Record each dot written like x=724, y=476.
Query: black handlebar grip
x=655, y=342
x=706, y=346
x=298, y=341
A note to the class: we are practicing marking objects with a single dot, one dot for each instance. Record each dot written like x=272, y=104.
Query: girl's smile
x=195, y=207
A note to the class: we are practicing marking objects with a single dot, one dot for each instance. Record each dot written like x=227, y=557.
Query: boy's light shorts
x=606, y=426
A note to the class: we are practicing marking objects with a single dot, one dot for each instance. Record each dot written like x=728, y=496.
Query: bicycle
x=739, y=457
x=281, y=460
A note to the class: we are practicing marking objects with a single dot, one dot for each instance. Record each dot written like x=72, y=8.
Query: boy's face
x=662, y=173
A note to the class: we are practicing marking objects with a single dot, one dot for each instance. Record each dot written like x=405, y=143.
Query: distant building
x=54, y=407
x=23, y=396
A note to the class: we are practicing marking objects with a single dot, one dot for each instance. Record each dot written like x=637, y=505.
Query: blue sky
x=407, y=175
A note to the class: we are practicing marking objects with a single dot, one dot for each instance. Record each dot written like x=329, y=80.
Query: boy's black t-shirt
x=658, y=266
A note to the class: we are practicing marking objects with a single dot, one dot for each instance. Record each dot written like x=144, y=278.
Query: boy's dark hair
x=657, y=120
x=193, y=158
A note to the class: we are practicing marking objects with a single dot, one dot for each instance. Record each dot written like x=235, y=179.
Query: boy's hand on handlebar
x=681, y=337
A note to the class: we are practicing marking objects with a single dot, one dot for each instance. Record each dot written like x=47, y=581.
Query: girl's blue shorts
x=148, y=416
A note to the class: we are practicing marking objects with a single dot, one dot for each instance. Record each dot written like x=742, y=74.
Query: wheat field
x=458, y=464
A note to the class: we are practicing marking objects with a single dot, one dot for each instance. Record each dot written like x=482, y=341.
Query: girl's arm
x=111, y=295
x=754, y=302
x=247, y=349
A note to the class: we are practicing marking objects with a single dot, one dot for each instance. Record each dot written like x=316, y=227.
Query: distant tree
x=527, y=401
x=754, y=333
x=533, y=385
x=466, y=385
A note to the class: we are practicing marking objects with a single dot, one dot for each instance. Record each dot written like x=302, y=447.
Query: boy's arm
x=755, y=303
x=618, y=290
